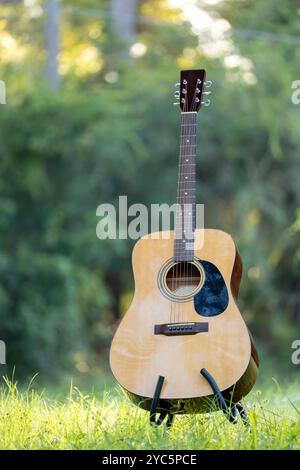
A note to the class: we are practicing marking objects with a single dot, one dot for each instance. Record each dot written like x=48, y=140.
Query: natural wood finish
x=138, y=356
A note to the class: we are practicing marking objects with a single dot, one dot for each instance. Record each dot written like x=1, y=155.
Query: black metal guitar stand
x=232, y=411
x=164, y=412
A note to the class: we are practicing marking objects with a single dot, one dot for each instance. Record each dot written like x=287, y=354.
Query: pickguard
x=213, y=298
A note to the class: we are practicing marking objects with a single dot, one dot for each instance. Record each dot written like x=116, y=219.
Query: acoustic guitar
x=183, y=340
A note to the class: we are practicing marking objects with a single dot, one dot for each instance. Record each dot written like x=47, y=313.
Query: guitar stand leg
x=243, y=413
x=153, y=409
x=231, y=412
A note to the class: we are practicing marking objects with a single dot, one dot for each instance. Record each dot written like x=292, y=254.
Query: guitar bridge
x=177, y=329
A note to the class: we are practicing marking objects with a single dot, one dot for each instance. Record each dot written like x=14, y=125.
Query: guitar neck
x=185, y=220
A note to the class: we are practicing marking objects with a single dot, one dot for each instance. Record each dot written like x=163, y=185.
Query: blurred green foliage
x=63, y=153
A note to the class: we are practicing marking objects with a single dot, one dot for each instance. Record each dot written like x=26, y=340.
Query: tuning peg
x=177, y=85
x=176, y=94
x=206, y=103
x=207, y=93
x=175, y=104
x=208, y=83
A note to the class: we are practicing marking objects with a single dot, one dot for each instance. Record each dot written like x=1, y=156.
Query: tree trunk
x=124, y=19
x=52, y=41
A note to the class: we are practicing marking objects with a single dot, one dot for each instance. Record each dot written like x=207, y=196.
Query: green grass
x=30, y=420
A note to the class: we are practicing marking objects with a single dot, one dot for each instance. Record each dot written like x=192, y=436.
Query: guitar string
x=186, y=188
x=183, y=198
x=183, y=175
x=193, y=172
x=185, y=265
x=179, y=211
x=184, y=133
x=189, y=184
x=186, y=136
x=174, y=269
x=178, y=214
x=193, y=199
x=187, y=139
x=173, y=303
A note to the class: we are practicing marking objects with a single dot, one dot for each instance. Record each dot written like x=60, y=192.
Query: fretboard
x=186, y=190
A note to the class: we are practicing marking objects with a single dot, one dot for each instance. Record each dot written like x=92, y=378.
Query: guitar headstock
x=192, y=90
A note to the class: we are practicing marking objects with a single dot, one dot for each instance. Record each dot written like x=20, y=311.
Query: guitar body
x=142, y=349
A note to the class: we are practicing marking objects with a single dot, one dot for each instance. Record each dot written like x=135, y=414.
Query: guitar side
x=138, y=356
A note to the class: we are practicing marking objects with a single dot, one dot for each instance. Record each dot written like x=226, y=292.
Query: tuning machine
x=206, y=101
x=176, y=94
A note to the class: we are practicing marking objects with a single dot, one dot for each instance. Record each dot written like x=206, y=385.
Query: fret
x=186, y=166
x=189, y=180
x=190, y=202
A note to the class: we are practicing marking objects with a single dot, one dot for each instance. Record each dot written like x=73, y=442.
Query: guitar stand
x=163, y=412
x=232, y=412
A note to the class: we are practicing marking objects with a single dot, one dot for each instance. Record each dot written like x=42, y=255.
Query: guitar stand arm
x=153, y=409
x=231, y=412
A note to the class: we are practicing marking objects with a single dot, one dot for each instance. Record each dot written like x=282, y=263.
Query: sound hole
x=183, y=278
